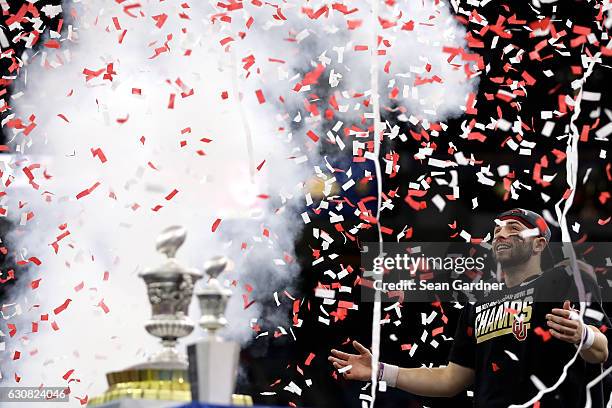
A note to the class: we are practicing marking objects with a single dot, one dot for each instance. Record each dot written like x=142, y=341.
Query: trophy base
x=213, y=364
x=237, y=400
x=138, y=403
x=151, y=382
x=151, y=385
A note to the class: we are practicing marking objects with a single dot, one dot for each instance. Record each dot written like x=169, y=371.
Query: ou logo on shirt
x=519, y=329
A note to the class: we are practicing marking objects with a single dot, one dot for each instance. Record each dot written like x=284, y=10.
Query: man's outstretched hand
x=562, y=326
x=360, y=363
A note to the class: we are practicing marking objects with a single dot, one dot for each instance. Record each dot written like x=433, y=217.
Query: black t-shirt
x=506, y=352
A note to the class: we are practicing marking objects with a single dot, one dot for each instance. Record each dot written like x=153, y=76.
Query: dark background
x=270, y=359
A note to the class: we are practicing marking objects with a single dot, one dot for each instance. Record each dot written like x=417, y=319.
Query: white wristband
x=589, y=338
x=390, y=373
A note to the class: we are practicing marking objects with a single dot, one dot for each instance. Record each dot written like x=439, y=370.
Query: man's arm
x=566, y=328
x=429, y=382
x=598, y=352
x=435, y=382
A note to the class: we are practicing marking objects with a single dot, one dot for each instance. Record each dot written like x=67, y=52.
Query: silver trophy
x=170, y=289
x=213, y=361
x=162, y=380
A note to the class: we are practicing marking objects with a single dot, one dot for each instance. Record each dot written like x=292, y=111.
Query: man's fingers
x=362, y=350
x=567, y=305
x=572, y=324
x=337, y=361
x=561, y=312
x=561, y=329
x=342, y=354
x=560, y=336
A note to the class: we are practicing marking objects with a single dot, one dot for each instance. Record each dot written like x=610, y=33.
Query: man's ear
x=539, y=244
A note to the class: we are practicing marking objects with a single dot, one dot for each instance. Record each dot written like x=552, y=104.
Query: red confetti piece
x=436, y=331
x=68, y=374
x=63, y=117
x=62, y=307
x=544, y=334
x=35, y=283
x=99, y=154
x=52, y=44
x=313, y=136
x=127, y=9
x=353, y=24
x=246, y=303
x=172, y=194
x=260, y=96
x=309, y=359
x=226, y=40
x=116, y=24
x=160, y=20
x=103, y=305
x=216, y=224
x=87, y=191
x=408, y=26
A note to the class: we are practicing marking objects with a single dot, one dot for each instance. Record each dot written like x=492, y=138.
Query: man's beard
x=519, y=253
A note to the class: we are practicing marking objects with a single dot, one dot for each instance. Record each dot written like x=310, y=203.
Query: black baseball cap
x=529, y=218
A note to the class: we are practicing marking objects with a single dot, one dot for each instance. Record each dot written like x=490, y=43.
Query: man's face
x=510, y=248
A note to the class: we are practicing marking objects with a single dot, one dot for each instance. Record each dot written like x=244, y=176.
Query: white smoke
x=198, y=148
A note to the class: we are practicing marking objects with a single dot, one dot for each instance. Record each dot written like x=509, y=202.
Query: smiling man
x=511, y=345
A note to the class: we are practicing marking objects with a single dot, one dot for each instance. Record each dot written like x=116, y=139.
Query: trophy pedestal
x=213, y=365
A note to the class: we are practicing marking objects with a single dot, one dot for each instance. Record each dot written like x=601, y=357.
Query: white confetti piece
x=325, y=293
x=439, y=202
x=537, y=382
x=511, y=355
x=594, y=314
x=294, y=388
